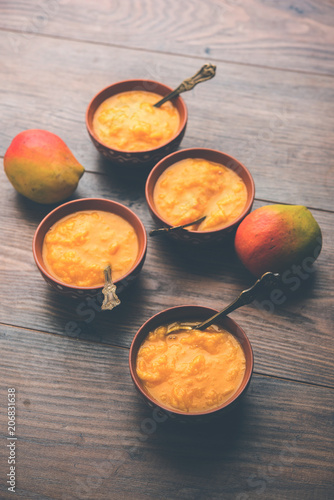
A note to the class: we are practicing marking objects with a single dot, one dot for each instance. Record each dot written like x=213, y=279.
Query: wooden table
x=82, y=431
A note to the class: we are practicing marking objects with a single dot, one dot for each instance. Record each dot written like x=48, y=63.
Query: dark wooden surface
x=83, y=432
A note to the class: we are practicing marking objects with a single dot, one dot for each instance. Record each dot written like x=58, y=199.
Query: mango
x=276, y=238
x=41, y=167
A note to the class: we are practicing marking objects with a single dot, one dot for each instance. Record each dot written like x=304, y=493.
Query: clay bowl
x=89, y=204
x=136, y=161
x=200, y=237
x=191, y=313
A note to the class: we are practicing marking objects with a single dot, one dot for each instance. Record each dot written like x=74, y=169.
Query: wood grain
x=283, y=338
x=83, y=432
x=278, y=124
x=274, y=33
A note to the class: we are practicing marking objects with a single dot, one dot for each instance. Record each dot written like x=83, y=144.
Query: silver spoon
x=245, y=297
x=206, y=72
x=175, y=228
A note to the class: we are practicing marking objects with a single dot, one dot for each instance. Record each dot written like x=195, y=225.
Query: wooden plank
x=285, y=338
x=83, y=432
x=278, y=124
x=271, y=33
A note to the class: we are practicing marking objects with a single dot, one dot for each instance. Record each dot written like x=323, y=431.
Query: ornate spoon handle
x=245, y=297
x=109, y=291
x=207, y=72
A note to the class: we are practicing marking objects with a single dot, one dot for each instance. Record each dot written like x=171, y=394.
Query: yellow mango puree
x=128, y=121
x=80, y=246
x=195, y=187
x=192, y=370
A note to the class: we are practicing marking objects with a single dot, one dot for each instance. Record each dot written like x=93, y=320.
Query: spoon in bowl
x=206, y=72
x=246, y=297
x=175, y=228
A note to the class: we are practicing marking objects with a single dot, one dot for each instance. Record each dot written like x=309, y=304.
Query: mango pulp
x=129, y=122
x=195, y=187
x=80, y=246
x=191, y=370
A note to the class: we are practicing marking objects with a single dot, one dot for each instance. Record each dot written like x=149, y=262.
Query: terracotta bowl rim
x=180, y=152
x=227, y=403
x=43, y=222
x=183, y=121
